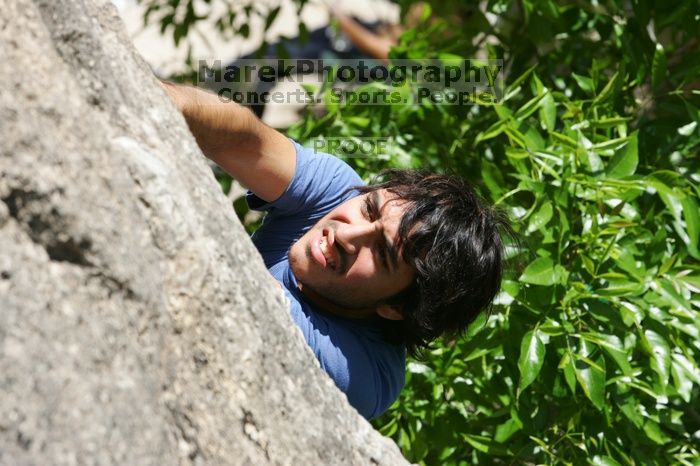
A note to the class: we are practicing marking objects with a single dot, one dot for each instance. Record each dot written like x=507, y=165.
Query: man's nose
x=352, y=237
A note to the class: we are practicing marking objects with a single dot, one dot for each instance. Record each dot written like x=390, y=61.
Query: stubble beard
x=332, y=292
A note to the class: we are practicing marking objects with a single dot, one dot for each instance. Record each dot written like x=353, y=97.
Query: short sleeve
x=320, y=183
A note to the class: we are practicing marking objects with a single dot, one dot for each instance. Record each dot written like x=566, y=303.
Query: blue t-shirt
x=366, y=368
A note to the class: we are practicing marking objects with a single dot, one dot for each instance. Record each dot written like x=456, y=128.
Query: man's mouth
x=325, y=251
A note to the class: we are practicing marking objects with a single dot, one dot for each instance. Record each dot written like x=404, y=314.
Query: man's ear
x=389, y=312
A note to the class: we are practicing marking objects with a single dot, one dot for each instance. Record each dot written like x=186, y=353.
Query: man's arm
x=375, y=45
x=258, y=156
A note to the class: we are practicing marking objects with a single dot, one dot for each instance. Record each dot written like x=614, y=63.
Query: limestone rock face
x=138, y=324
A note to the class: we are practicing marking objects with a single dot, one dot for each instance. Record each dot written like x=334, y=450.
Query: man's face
x=350, y=256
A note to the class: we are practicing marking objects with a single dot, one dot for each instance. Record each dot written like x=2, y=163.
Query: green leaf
x=608, y=90
x=658, y=66
x=516, y=154
x=584, y=82
x=303, y=33
x=362, y=122
x=678, y=304
x=532, y=352
x=477, y=325
x=615, y=143
x=551, y=328
x=508, y=428
x=540, y=272
x=530, y=107
x=589, y=157
x=516, y=137
x=687, y=130
x=492, y=178
x=614, y=347
x=548, y=112
x=564, y=139
x=679, y=204
x=621, y=287
x=588, y=265
x=624, y=162
x=630, y=408
x=533, y=139
x=691, y=369
x=610, y=122
x=591, y=374
x=165, y=22
x=660, y=353
x=654, y=432
x=503, y=112
x=681, y=379
x=492, y=131
x=567, y=365
x=244, y=30
x=541, y=217
x=271, y=17
x=603, y=460
x=486, y=445
x=513, y=85
x=691, y=215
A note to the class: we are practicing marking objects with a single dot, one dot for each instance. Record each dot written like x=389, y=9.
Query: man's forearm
x=372, y=44
x=217, y=126
x=258, y=156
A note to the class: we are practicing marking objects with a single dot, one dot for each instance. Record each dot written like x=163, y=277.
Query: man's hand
x=258, y=156
x=174, y=93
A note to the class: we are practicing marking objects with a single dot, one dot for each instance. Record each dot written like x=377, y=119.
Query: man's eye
x=368, y=209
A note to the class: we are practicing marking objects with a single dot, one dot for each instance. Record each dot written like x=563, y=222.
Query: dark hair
x=452, y=238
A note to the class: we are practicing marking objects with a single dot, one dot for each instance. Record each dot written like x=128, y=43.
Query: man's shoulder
x=321, y=181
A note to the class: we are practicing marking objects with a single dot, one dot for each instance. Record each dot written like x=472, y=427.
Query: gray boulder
x=138, y=324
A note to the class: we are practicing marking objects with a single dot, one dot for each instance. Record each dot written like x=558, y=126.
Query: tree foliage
x=591, y=355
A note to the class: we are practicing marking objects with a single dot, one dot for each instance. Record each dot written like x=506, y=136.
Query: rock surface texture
x=138, y=324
